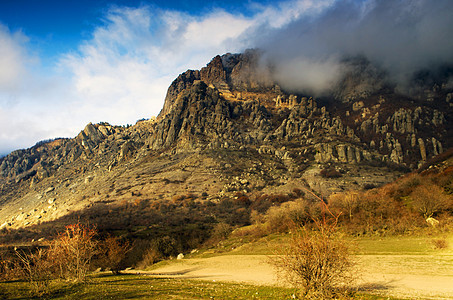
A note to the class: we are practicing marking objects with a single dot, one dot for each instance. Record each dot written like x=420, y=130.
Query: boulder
x=432, y=222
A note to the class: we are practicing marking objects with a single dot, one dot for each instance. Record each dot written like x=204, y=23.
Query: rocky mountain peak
x=230, y=128
x=214, y=73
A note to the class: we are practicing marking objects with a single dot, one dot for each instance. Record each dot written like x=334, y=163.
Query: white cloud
x=32, y=103
x=132, y=59
x=123, y=72
x=210, y=31
x=285, y=12
x=11, y=59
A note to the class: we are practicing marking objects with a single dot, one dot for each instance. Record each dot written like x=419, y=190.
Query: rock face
x=233, y=126
x=214, y=73
x=184, y=81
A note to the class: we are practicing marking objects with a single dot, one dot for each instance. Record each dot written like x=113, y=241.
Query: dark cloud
x=399, y=36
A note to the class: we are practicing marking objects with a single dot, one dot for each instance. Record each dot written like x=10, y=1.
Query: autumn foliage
x=73, y=250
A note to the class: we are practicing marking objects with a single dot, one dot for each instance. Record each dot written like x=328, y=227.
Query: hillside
x=229, y=128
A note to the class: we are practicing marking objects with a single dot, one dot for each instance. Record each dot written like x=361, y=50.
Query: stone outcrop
x=184, y=81
x=44, y=158
x=214, y=73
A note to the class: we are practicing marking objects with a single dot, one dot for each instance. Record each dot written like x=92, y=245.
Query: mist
x=400, y=37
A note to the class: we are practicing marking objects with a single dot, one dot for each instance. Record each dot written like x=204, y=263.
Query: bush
x=439, y=243
x=404, y=186
x=288, y=215
x=10, y=268
x=330, y=172
x=241, y=199
x=429, y=199
x=38, y=269
x=317, y=262
x=347, y=203
x=150, y=257
x=166, y=246
x=73, y=250
x=220, y=232
x=68, y=256
x=113, y=253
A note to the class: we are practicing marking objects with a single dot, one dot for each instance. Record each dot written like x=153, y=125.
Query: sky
x=64, y=64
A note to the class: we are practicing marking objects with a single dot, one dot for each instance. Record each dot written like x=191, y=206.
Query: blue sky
x=56, y=26
x=64, y=64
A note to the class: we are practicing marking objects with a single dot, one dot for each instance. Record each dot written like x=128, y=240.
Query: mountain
x=229, y=128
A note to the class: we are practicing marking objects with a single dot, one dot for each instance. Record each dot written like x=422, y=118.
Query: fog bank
x=399, y=36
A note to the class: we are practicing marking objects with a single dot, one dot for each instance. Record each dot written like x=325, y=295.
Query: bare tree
x=348, y=202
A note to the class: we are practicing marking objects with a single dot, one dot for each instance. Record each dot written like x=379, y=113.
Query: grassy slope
x=389, y=245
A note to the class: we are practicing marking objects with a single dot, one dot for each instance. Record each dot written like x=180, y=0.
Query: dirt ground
x=405, y=276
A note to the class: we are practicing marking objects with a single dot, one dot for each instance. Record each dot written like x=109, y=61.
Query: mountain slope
x=230, y=128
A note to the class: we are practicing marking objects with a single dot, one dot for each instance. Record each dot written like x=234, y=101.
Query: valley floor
x=403, y=276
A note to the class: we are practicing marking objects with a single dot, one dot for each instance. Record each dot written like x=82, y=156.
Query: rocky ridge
x=227, y=128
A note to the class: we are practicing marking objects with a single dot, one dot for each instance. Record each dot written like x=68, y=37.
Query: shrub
x=316, y=262
x=10, y=268
x=429, y=199
x=298, y=192
x=347, y=203
x=261, y=203
x=254, y=231
x=113, y=253
x=221, y=231
x=241, y=199
x=439, y=243
x=37, y=268
x=330, y=172
x=404, y=186
x=368, y=186
x=374, y=211
x=150, y=257
x=166, y=246
x=73, y=250
x=288, y=215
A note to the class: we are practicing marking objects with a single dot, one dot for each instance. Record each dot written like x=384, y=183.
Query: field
x=405, y=267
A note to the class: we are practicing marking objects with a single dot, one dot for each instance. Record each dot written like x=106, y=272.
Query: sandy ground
x=406, y=276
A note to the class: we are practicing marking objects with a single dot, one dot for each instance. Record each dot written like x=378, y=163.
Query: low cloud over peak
x=399, y=36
